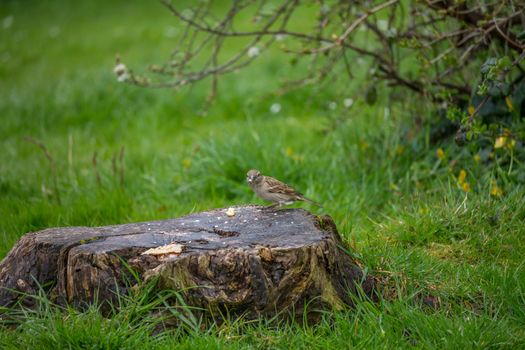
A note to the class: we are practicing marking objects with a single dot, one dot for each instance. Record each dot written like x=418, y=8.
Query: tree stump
x=247, y=260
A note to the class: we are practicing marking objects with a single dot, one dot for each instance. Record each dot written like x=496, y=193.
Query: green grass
x=394, y=201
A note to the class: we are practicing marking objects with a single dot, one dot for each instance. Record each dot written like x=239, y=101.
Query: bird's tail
x=311, y=201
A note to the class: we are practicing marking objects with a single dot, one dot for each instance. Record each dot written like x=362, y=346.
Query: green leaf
x=488, y=64
x=504, y=62
x=494, y=91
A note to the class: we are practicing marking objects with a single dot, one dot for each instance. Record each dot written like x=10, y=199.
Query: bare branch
x=442, y=36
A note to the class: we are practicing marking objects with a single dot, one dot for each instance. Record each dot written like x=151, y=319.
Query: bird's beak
x=250, y=179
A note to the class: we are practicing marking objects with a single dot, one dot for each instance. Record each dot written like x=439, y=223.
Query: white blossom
x=253, y=51
x=7, y=22
x=170, y=32
x=382, y=24
x=122, y=78
x=332, y=105
x=348, y=102
x=325, y=9
x=119, y=69
x=54, y=32
x=275, y=108
x=392, y=32
x=121, y=72
x=280, y=37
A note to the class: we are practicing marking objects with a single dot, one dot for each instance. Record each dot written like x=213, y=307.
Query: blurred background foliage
x=462, y=56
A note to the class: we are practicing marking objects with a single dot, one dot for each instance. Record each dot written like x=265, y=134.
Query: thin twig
x=200, y=53
x=506, y=37
x=357, y=22
x=97, y=175
x=478, y=108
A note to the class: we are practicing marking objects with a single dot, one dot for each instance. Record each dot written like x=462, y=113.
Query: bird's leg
x=279, y=205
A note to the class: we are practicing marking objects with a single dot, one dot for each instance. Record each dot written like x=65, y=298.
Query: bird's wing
x=276, y=186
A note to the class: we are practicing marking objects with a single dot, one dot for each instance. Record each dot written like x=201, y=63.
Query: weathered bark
x=257, y=262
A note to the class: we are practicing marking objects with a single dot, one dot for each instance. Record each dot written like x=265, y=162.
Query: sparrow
x=273, y=190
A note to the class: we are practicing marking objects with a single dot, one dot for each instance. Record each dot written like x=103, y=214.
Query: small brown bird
x=273, y=190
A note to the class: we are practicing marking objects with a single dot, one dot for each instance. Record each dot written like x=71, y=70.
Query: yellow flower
x=440, y=153
x=508, y=101
x=394, y=187
x=423, y=211
x=400, y=150
x=512, y=143
x=495, y=190
x=477, y=158
x=291, y=154
x=461, y=177
x=471, y=109
x=500, y=142
x=465, y=186
x=186, y=163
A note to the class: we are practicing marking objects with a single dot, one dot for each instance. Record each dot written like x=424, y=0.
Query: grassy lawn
x=395, y=198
